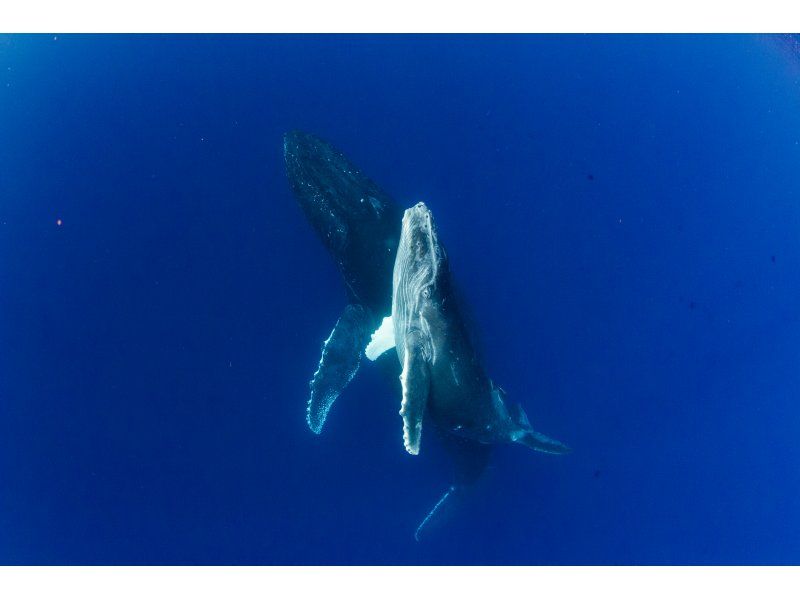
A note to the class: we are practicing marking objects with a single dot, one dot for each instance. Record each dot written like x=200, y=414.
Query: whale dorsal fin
x=341, y=356
x=415, y=381
x=382, y=340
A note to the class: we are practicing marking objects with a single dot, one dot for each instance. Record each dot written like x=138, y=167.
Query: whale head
x=421, y=260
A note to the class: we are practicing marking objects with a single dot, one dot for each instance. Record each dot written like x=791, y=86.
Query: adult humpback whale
x=442, y=377
x=360, y=226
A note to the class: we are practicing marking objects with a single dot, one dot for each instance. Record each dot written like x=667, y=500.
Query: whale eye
x=426, y=292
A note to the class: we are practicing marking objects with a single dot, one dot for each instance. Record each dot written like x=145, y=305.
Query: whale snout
x=419, y=240
x=418, y=210
x=419, y=220
x=418, y=216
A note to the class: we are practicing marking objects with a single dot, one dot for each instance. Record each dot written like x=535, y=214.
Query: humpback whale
x=359, y=224
x=442, y=376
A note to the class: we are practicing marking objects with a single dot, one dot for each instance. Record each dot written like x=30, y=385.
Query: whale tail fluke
x=525, y=434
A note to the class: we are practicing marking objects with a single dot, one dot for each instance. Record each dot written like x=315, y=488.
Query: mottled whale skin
x=356, y=220
x=360, y=226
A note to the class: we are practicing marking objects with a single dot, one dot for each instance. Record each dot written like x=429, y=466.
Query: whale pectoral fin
x=526, y=435
x=341, y=355
x=382, y=340
x=415, y=381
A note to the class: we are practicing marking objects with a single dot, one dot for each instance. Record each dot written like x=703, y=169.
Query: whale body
x=360, y=225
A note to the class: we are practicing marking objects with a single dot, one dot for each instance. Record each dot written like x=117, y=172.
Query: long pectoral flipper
x=415, y=381
x=341, y=355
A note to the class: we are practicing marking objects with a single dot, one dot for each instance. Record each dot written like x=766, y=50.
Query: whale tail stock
x=525, y=434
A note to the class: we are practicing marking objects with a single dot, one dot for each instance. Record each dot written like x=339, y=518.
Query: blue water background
x=622, y=215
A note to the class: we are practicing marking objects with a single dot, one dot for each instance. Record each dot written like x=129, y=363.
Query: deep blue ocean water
x=622, y=215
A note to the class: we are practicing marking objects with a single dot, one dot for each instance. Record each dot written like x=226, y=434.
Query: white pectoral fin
x=382, y=340
x=415, y=380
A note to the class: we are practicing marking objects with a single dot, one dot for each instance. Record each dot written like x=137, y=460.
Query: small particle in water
x=55, y=38
x=597, y=473
x=772, y=257
x=692, y=304
x=58, y=222
x=590, y=176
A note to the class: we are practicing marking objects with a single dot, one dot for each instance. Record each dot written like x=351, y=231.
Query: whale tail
x=525, y=434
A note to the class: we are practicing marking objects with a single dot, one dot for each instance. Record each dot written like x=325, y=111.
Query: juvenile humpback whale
x=442, y=378
x=359, y=224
